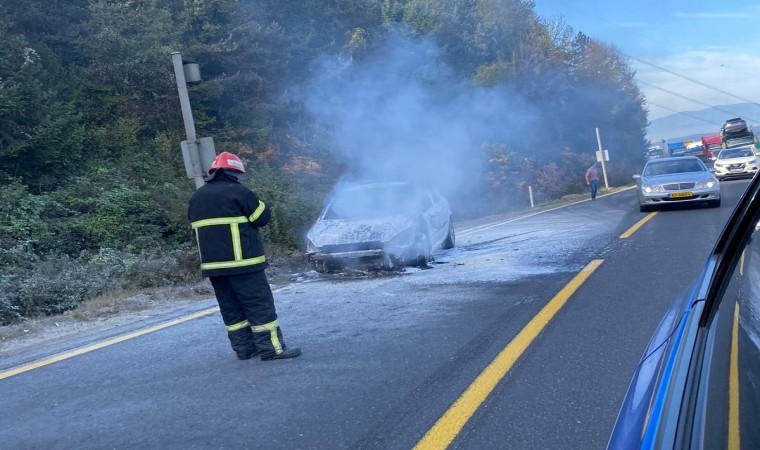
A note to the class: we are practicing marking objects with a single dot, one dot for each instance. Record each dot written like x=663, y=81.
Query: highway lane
x=385, y=358
x=568, y=389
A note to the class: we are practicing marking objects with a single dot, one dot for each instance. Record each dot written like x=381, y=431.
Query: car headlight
x=649, y=188
x=711, y=183
x=310, y=246
x=402, y=240
x=717, y=164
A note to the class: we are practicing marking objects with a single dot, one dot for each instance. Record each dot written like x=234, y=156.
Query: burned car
x=380, y=225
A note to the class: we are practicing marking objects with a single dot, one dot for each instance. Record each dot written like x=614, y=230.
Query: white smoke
x=400, y=112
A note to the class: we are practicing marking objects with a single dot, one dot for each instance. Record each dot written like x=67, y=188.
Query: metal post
x=530, y=194
x=601, y=152
x=187, y=117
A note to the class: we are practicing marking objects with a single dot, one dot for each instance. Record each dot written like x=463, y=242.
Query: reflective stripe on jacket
x=225, y=217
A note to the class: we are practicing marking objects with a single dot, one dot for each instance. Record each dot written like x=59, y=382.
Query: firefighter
x=226, y=217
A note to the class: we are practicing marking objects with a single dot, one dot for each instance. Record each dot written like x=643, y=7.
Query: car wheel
x=714, y=203
x=450, y=238
x=643, y=208
x=421, y=250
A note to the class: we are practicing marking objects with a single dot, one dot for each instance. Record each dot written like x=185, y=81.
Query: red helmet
x=226, y=160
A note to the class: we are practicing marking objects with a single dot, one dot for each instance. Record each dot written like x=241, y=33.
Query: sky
x=689, y=55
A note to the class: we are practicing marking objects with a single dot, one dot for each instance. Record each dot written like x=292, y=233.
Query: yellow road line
x=638, y=225
x=453, y=420
x=734, y=438
x=115, y=340
x=106, y=343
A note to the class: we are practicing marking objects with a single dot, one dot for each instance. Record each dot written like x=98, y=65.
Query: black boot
x=270, y=343
x=243, y=343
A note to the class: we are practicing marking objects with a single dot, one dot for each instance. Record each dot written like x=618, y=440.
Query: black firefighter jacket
x=226, y=216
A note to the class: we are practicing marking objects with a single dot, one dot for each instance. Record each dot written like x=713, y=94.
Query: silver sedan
x=676, y=180
x=380, y=224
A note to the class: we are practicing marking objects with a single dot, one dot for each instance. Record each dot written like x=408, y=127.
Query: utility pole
x=198, y=154
x=601, y=155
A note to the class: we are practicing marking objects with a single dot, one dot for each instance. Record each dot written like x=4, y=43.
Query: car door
x=437, y=216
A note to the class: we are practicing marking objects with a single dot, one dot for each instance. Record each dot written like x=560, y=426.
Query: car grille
x=736, y=166
x=352, y=247
x=677, y=186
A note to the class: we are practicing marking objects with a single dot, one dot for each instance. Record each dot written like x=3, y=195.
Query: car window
x=371, y=202
x=731, y=385
x=668, y=167
x=727, y=154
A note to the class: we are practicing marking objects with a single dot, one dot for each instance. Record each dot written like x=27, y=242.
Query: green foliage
x=293, y=210
x=61, y=283
x=31, y=226
x=558, y=178
x=41, y=131
x=9, y=312
x=113, y=214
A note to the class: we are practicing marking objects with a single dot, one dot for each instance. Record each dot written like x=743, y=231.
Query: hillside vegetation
x=481, y=97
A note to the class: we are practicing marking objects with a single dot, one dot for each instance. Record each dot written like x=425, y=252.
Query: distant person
x=592, y=180
x=226, y=217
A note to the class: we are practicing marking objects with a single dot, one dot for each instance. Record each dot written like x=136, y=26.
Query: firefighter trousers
x=245, y=301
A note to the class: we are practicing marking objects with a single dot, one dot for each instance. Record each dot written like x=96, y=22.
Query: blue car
x=698, y=383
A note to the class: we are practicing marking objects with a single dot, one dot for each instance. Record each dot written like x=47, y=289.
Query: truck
x=735, y=133
x=676, y=148
x=654, y=152
x=712, y=144
x=688, y=148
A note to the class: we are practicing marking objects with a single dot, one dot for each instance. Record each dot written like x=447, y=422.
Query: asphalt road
x=386, y=358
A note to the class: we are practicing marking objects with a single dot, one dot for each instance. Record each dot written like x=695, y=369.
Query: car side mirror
x=712, y=169
x=636, y=177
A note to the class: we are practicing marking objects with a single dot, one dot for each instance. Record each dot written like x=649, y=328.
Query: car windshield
x=670, y=167
x=371, y=202
x=735, y=153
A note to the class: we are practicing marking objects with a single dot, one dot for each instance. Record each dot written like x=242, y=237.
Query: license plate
x=681, y=194
x=735, y=170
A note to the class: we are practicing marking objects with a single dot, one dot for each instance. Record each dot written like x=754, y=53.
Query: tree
x=41, y=130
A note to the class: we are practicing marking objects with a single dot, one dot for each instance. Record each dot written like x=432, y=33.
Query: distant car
x=735, y=133
x=676, y=180
x=735, y=125
x=697, y=385
x=385, y=225
x=653, y=153
x=736, y=163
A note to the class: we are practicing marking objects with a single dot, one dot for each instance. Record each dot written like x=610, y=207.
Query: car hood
x=334, y=232
x=689, y=177
x=742, y=160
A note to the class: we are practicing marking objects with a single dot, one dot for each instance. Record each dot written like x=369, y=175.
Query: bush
x=293, y=209
x=61, y=283
x=112, y=214
x=30, y=225
x=9, y=311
